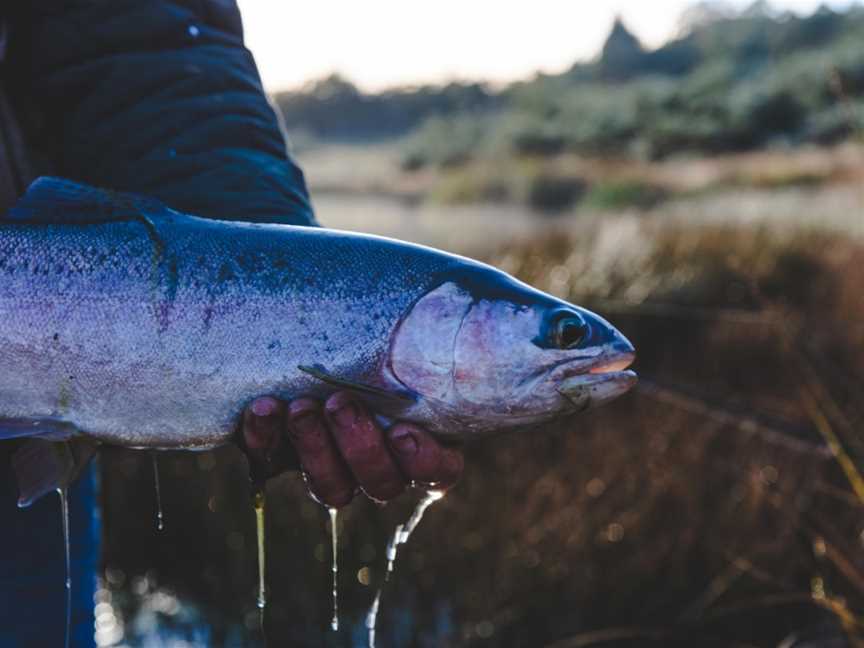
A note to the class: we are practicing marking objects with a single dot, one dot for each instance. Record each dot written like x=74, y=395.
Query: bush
x=620, y=195
x=551, y=194
x=835, y=124
x=444, y=142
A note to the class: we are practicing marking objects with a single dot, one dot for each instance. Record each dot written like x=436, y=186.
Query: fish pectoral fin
x=63, y=202
x=391, y=396
x=41, y=466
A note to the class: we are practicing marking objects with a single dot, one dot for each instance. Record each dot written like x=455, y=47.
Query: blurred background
x=693, y=172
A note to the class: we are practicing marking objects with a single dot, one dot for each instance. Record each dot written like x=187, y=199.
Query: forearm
x=157, y=97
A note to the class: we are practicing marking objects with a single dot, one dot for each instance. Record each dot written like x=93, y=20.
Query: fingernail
x=345, y=416
x=404, y=442
x=264, y=407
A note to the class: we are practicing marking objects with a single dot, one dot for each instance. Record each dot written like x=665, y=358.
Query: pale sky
x=381, y=43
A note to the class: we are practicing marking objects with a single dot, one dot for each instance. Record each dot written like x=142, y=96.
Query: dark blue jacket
x=152, y=96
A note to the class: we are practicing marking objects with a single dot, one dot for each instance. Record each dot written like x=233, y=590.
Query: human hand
x=340, y=447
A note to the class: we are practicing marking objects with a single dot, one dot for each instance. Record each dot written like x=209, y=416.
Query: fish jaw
x=605, y=378
x=590, y=390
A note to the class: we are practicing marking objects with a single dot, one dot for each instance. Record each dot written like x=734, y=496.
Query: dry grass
x=374, y=169
x=751, y=342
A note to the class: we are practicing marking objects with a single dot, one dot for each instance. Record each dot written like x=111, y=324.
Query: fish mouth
x=604, y=378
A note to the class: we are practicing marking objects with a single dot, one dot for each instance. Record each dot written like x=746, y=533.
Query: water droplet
x=363, y=575
x=484, y=629
x=819, y=546
x=194, y=32
x=160, y=525
x=401, y=535
x=334, y=542
x=769, y=474
x=595, y=487
x=615, y=532
x=64, y=518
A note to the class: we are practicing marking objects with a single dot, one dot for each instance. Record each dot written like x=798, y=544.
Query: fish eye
x=569, y=331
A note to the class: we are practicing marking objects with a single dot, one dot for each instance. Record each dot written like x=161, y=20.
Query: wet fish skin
x=138, y=326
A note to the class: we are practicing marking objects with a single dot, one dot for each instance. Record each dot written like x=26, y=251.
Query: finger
x=361, y=443
x=262, y=424
x=328, y=478
x=422, y=458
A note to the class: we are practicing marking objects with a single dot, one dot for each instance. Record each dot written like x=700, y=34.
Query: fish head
x=496, y=353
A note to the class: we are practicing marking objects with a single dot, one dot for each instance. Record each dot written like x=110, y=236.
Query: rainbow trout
x=127, y=323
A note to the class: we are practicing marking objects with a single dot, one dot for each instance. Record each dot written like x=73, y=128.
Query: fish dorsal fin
x=323, y=375
x=64, y=202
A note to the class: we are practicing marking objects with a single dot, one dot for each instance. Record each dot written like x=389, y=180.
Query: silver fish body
x=135, y=325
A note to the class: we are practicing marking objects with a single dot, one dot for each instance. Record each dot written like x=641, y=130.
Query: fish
x=125, y=322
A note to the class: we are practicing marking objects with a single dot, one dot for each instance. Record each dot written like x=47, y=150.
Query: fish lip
x=626, y=379
x=613, y=363
x=609, y=362
x=624, y=376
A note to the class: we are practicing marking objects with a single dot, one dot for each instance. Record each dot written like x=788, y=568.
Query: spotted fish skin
x=133, y=324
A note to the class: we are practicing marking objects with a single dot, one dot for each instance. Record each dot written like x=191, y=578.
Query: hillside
x=729, y=82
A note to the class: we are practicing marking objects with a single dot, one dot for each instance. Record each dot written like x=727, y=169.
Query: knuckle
x=363, y=454
x=312, y=447
x=307, y=425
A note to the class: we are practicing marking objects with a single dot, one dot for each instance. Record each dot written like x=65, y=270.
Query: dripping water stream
x=401, y=535
x=258, y=503
x=334, y=544
x=160, y=525
x=64, y=516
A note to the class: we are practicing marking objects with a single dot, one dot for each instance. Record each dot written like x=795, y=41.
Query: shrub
x=620, y=195
x=551, y=194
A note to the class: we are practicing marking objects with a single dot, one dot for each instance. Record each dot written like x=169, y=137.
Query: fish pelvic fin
x=42, y=466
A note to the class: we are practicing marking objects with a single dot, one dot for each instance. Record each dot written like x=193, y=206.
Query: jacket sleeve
x=154, y=96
